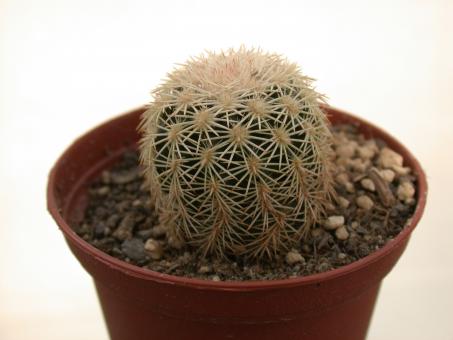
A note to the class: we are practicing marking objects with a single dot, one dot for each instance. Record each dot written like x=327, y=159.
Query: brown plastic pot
x=141, y=304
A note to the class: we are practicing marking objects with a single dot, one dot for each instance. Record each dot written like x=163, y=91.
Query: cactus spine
x=237, y=153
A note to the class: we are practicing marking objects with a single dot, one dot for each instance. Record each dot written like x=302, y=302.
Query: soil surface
x=375, y=201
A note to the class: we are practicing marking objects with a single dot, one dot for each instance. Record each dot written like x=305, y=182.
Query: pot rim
x=147, y=274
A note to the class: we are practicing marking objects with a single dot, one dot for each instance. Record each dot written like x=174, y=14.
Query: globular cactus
x=237, y=153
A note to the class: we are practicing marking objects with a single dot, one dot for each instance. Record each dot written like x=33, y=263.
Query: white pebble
x=154, y=249
x=349, y=187
x=294, y=257
x=136, y=203
x=364, y=202
x=366, y=152
x=389, y=158
x=341, y=256
x=204, y=269
x=342, y=233
x=411, y=201
x=342, y=178
x=388, y=175
x=342, y=162
x=330, y=207
x=405, y=191
x=343, y=202
x=103, y=191
x=401, y=170
x=334, y=222
x=346, y=150
x=368, y=184
x=358, y=164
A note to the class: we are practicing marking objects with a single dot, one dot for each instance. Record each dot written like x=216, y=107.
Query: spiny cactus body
x=237, y=153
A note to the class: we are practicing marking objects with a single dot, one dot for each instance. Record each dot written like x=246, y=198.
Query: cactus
x=237, y=153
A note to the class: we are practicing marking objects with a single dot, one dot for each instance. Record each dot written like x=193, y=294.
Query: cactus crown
x=237, y=153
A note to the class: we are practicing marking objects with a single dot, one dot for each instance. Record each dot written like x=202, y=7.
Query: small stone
x=364, y=202
x=342, y=178
x=354, y=224
x=410, y=201
x=137, y=203
x=116, y=251
x=368, y=184
x=343, y=202
x=124, y=230
x=204, y=269
x=389, y=158
x=294, y=257
x=216, y=278
x=323, y=267
x=358, y=165
x=134, y=249
x=341, y=137
x=330, y=207
x=342, y=163
x=346, y=150
x=334, y=222
x=342, y=233
x=388, y=175
x=401, y=170
x=341, y=256
x=154, y=249
x=126, y=177
x=405, y=191
x=366, y=151
x=102, y=191
x=349, y=187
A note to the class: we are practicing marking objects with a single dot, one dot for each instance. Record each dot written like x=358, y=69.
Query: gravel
x=376, y=198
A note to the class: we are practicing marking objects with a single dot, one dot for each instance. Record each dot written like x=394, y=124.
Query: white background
x=68, y=65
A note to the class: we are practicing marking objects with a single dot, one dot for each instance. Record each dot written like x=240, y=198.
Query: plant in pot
x=261, y=211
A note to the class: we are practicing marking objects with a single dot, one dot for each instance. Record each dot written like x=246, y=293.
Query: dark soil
x=372, y=210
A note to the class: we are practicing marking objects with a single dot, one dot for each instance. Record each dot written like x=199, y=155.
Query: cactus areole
x=237, y=153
